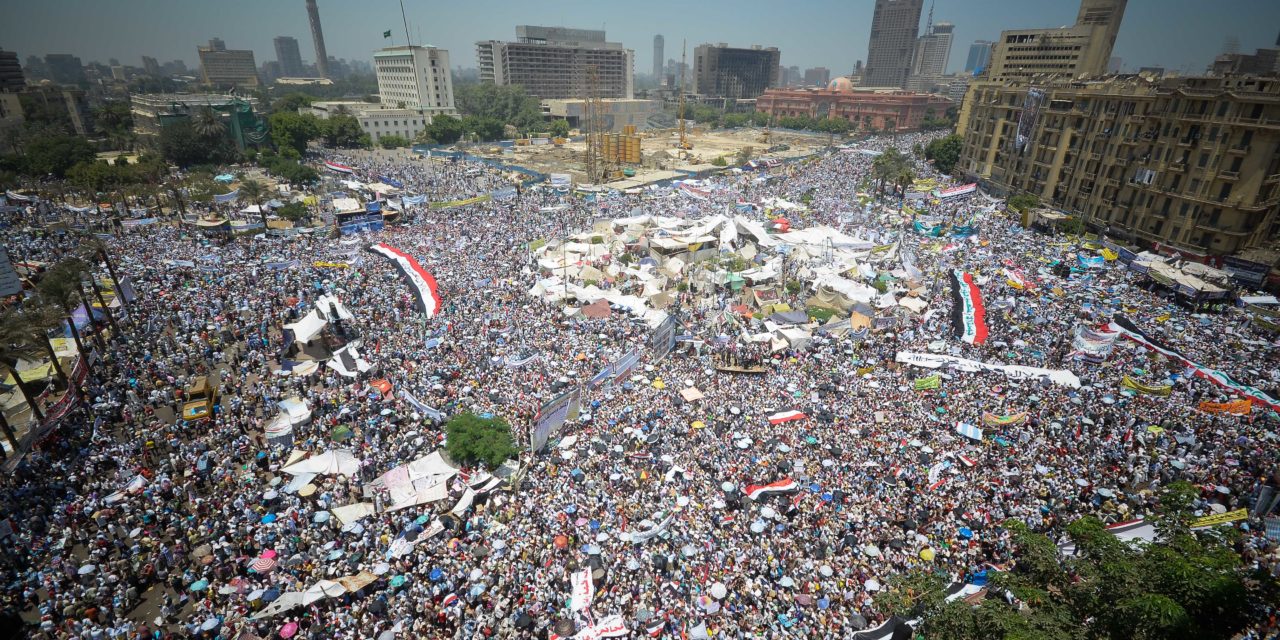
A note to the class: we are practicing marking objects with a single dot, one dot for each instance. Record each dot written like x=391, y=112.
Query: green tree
x=734, y=120
x=1023, y=202
x=293, y=131
x=719, y=161
x=471, y=439
x=293, y=211
x=56, y=155
x=506, y=104
x=560, y=128
x=944, y=152
x=444, y=130
x=343, y=131
x=207, y=123
x=291, y=102
x=115, y=119
x=181, y=145
x=255, y=192
x=16, y=344
x=393, y=142
x=485, y=128
x=1185, y=585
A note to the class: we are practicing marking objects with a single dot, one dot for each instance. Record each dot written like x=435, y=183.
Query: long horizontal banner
x=1219, y=518
x=1234, y=407
x=957, y=191
x=1150, y=389
x=1132, y=332
x=1012, y=371
x=460, y=203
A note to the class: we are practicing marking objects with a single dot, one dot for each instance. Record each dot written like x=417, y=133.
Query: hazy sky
x=1176, y=34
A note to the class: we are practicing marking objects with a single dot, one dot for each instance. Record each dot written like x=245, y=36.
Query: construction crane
x=684, y=141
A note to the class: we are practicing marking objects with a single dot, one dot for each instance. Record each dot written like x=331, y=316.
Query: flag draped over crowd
x=968, y=315
x=419, y=279
x=1131, y=331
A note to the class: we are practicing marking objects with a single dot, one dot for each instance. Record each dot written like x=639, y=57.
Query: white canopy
x=326, y=303
x=307, y=328
x=347, y=362
x=330, y=463
x=295, y=409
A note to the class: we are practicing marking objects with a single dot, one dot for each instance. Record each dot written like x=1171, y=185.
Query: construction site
x=634, y=157
x=624, y=161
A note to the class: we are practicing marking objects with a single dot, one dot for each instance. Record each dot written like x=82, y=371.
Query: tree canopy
x=183, y=146
x=471, y=439
x=444, y=130
x=506, y=104
x=293, y=131
x=944, y=152
x=1185, y=585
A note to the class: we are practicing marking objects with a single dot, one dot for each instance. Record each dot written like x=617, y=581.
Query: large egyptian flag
x=421, y=281
x=1131, y=331
x=756, y=492
x=340, y=168
x=968, y=315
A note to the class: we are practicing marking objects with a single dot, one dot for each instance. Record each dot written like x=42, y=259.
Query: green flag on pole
x=386, y=34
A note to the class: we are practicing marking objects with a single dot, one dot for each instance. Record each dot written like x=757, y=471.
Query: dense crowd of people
x=880, y=481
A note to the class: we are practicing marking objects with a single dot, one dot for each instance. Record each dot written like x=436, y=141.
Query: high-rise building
x=890, y=52
x=317, y=34
x=556, y=63
x=657, y=55
x=1188, y=162
x=65, y=69
x=11, y=78
x=979, y=56
x=1081, y=50
x=933, y=52
x=288, y=56
x=1259, y=63
x=223, y=67
x=722, y=71
x=415, y=78
x=817, y=76
x=151, y=66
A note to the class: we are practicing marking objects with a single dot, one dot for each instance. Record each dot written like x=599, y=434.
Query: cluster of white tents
x=700, y=254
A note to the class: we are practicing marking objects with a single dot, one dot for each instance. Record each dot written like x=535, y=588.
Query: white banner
x=610, y=627
x=1013, y=372
x=582, y=591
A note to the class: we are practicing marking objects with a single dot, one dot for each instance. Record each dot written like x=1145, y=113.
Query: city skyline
x=1175, y=34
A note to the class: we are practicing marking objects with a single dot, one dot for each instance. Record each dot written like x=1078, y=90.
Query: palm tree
x=207, y=124
x=904, y=176
x=254, y=191
x=38, y=320
x=16, y=345
x=60, y=287
x=95, y=250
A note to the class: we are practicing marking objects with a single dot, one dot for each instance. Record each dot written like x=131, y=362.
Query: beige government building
x=1192, y=162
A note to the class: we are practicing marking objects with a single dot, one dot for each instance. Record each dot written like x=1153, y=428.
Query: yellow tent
x=31, y=372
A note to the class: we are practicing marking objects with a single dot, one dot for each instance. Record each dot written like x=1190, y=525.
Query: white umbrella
x=87, y=569
x=825, y=570
x=871, y=550
x=871, y=585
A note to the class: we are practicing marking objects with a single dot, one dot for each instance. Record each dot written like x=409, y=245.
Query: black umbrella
x=523, y=621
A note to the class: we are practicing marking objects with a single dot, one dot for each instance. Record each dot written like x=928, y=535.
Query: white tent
x=306, y=329
x=352, y=512
x=326, y=303
x=295, y=409
x=330, y=463
x=347, y=362
x=432, y=465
